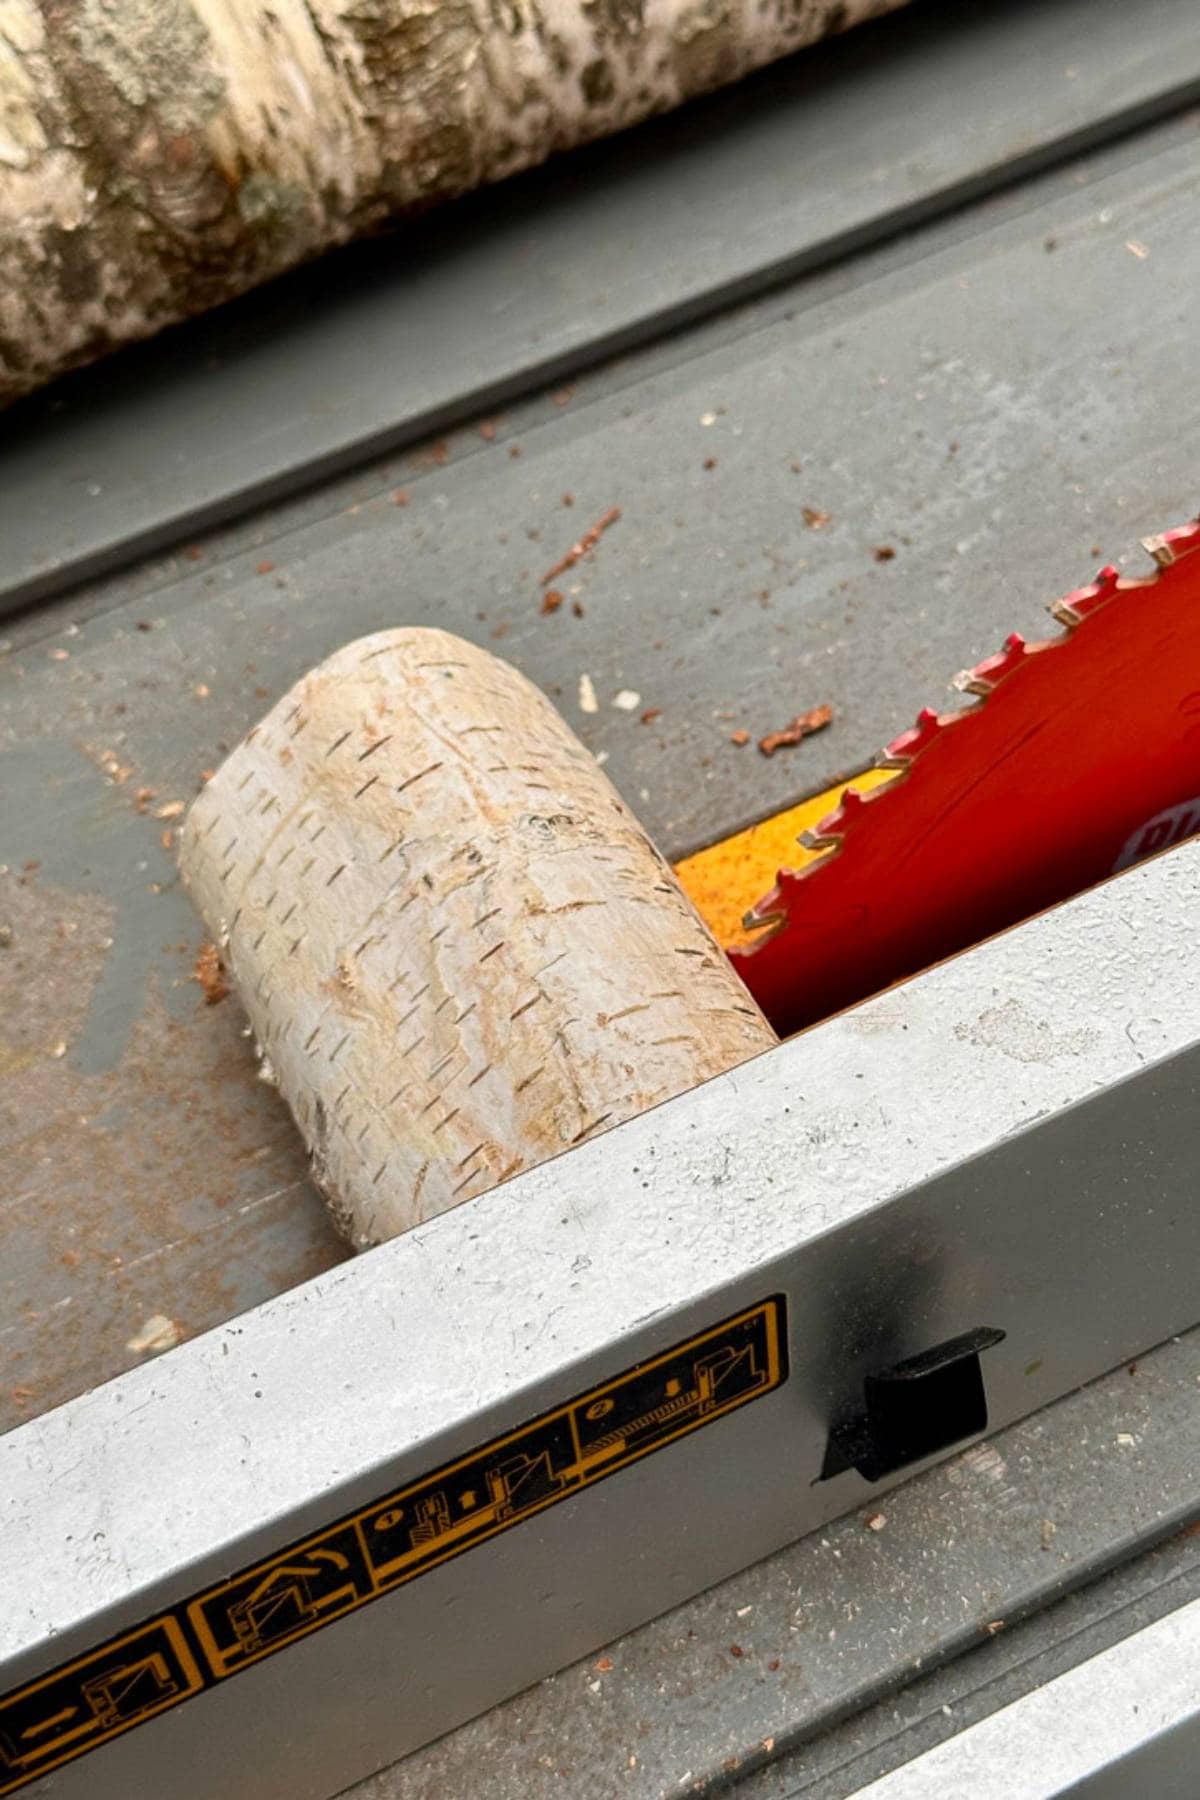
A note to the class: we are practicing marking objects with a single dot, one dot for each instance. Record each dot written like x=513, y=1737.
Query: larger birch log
x=160, y=156
x=459, y=951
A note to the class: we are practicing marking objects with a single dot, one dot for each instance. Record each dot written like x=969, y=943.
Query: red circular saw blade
x=1081, y=755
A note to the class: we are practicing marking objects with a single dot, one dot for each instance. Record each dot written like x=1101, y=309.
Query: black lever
x=913, y=1409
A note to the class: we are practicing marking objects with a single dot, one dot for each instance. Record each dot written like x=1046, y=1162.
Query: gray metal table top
x=999, y=394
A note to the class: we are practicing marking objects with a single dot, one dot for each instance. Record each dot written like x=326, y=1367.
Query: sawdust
x=582, y=546
x=209, y=971
x=158, y=1334
x=802, y=726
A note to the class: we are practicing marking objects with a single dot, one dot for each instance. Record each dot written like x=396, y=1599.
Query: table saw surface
x=930, y=287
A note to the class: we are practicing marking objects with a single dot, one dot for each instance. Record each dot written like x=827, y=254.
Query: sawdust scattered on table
x=883, y=552
x=739, y=737
x=583, y=545
x=209, y=971
x=627, y=700
x=815, y=518
x=157, y=1334
x=552, y=599
x=170, y=809
x=588, y=702
x=802, y=726
x=651, y=713
x=264, y=567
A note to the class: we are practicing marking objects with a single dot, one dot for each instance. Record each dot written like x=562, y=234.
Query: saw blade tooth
x=1074, y=608
x=814, y=839
x=1160, y=549
x=985, y=675
x=900, y=752
x=753, y=920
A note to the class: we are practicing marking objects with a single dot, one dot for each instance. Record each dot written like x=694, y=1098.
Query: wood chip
x=142, y=799
x=739, y=738
x=802, y=726
x=814, y=518
x=552, y=599
x=170, y=809
x=883, y=553
x=580, y=549
x=627, y=700
x=651, y=713
x=209, y=971
x=588, y=702
x=264, y=567
x=157, y=1334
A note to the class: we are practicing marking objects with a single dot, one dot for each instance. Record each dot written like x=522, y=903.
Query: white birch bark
x=160, y=156
x=460, y=953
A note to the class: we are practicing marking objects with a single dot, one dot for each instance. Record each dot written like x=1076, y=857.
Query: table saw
x=834, y=1426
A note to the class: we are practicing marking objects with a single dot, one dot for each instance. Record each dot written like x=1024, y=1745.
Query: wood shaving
x=739, y=738
x=802, y=726
x=209, y=971
x=170, y=809
x=142, y=799
x=588, y=702
x=552, y=599
x=157, y=1334
x=814, y=518
x=580, y=549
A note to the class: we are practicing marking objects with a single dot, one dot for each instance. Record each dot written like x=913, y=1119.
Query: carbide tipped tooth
x=1160, y=550
x=968, y=682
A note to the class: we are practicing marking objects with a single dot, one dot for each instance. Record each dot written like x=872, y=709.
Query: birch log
x=160, y=156
x=459, y=951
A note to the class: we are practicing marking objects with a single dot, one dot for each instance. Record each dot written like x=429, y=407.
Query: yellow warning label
x=283, y=1597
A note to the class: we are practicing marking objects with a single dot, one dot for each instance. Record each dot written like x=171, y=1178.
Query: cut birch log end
x=458, y=949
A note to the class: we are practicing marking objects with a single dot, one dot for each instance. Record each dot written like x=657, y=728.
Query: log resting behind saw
x=158, y=157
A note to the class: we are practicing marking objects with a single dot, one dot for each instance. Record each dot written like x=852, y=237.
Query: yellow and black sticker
x=318, y=1579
